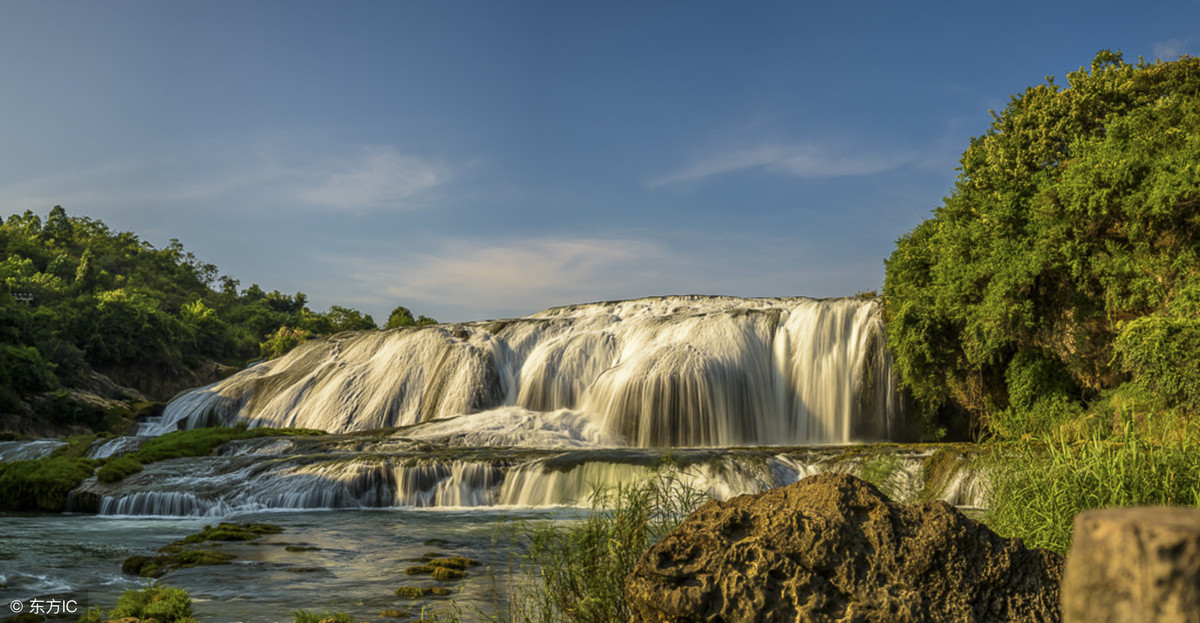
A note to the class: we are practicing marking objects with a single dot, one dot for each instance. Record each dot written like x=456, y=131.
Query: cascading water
x=670, y=371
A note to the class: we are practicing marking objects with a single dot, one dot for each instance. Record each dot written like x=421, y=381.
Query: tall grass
x=575, y=572
x=1038, y=488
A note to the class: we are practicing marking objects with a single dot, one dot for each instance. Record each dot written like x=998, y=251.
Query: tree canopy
x=76, y=297
x=1066, y=261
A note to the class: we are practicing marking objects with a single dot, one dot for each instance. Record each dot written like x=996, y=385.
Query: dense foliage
x=76, y=297
x=1065, y=262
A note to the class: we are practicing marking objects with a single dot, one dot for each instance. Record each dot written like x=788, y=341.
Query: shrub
x=1160, y=353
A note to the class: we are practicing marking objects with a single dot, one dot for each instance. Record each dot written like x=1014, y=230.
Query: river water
x=358, y=560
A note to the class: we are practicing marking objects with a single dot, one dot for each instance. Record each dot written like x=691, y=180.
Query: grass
x=577, y=572
x=1038, y=487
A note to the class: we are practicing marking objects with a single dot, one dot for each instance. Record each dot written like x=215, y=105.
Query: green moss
x=76, y=447
x=301, y=548
x=939, y=467
x=156, y=566
x=443, y=573
x=417, y=592
x=418, y=570
x=180, y=554
x=202, y=441
x=41, y=484
x=117, y=468
x=305, y=616
x=394, y=614
x=453, y=562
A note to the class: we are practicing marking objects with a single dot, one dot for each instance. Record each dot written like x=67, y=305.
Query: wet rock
x=832, y=548
x=1134, y=564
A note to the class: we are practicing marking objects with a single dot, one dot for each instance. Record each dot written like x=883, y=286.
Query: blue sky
x=488, y=159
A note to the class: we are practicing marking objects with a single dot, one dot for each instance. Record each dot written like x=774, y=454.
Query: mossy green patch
x=417, y=592
x=41, y=484
x=183, y=553
x=225, y=531
x=301, y=548
x=444, y=573
x=117, y=468
x=157, y=566
x=453, y=562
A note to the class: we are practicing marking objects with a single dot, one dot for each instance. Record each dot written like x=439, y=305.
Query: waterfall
x=666, y=371
x=329, y=474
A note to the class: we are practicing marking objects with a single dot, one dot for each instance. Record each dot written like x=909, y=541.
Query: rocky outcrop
x=833, y=548
x=1134, y=564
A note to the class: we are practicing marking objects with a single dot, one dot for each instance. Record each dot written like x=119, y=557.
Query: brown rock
x=833, y=548
x=1134, y=564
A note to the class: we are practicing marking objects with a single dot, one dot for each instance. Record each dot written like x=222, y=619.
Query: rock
x=1134, y=564
x=833, y=548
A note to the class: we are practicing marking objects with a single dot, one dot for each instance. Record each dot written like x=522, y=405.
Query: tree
x=346, y=319
x=402, y=317
x=1075, y=213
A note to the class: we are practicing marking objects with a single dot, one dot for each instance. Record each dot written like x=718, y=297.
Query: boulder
x=1134, y=564
x=833, y=548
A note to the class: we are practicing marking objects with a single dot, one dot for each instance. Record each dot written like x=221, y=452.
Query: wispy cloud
x=271, y=174
x=378, y=177
x=1172, y=49
x=804, y=160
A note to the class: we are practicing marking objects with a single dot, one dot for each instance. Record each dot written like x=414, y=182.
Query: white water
x=670, y=371
x=396, y=471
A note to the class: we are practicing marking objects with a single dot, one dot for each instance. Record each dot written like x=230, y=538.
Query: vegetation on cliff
x=77, y=298
x=1065, y=264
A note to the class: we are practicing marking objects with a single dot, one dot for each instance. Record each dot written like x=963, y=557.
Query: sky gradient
x=476, y=160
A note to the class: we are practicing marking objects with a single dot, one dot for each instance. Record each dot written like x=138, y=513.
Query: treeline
x=76, y=297
x=1060, y=281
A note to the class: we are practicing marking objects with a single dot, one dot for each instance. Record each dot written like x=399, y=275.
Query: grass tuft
x=1038, y=487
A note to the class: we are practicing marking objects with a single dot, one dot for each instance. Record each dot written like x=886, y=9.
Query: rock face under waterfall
x=832, y=548
x=668, y=371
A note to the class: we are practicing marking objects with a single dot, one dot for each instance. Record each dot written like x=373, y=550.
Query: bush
x=1160, y=353
x=282, y=341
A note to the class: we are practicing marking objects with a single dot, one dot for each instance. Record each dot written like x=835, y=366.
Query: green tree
x=402, y=317
x=1073, y=215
